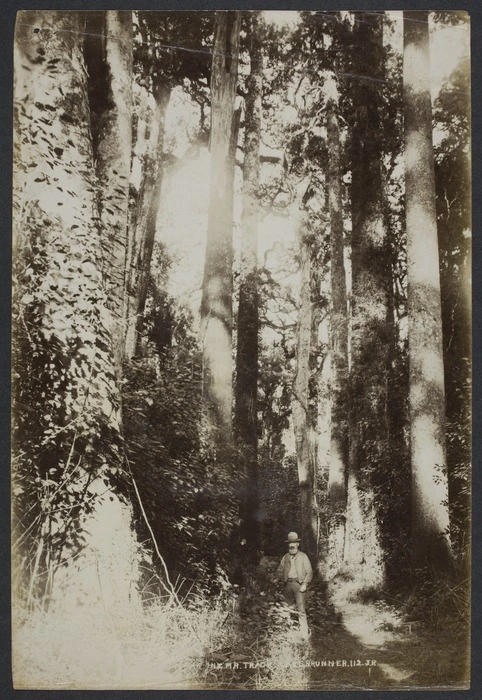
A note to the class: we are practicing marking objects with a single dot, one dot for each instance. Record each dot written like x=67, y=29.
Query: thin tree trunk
x=246, y=399
x=143, y=230
x=339, y=445
x=396, y=520
x=216, y=305
x=430, y=515
x=148, y=223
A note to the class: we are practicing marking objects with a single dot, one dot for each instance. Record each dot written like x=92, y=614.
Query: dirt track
x=353, y=645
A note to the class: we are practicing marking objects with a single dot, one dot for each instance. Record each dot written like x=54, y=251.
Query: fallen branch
x=169, y=589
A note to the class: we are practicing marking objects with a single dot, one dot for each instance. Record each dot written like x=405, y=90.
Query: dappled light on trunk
x=305, y=444
x=65, y=300
x=216, y=305
x=362, y=554
x=430, y=514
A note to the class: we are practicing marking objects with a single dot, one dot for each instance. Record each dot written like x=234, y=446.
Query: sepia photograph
x=241, y=350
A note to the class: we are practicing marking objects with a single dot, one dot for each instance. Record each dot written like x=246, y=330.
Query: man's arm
x=309, y=571
x=281, y=567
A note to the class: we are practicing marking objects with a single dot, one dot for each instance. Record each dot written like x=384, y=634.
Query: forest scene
x=241, y=440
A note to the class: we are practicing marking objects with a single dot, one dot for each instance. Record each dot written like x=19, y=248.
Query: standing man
x=295, y=568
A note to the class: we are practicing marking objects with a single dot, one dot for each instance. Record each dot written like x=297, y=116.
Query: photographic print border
x=8, y=19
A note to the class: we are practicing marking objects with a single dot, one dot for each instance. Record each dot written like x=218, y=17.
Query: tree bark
x=108, y=54
x=370, y=330
x=305, y=444
x=339, y=445
x=430, y=518
x=216, y=304
x=150, y=210
x=63, y=298
x=246, y=398
x=143, y=229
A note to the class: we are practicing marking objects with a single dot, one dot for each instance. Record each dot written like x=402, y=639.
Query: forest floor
x=245, y=640
x=354, y=644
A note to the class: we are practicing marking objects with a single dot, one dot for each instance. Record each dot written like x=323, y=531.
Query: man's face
x=293, y=548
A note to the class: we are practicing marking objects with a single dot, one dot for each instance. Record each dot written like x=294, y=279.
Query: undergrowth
x=160, y=645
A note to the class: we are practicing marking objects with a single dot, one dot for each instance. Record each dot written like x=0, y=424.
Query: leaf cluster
x=185, y=488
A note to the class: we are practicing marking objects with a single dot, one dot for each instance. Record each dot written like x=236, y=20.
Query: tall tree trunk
x=148, y=221
x=430, y=516
x=246, y=398
x=305, y=444
x=216, y=305
x=370, y=332
x=339, y=446
x=108, y=54
x=143, y=229
x=70, y=374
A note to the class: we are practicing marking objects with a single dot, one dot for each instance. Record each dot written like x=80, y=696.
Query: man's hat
x=292, y=537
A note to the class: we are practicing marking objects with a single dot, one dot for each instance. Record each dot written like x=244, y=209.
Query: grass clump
x=162, y=645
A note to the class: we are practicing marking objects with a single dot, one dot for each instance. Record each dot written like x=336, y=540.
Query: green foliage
x=186, y=489
x=279, y=501
x=441, y=603
x=66, y=427
x=458, y=433
x=175, y=48
x=274, y=398
x=452, y=181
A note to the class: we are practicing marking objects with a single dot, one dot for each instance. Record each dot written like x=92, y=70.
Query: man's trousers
x=292, y=595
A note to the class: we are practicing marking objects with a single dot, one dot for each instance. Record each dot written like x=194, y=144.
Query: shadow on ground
x=364, y=645
x=353, y=644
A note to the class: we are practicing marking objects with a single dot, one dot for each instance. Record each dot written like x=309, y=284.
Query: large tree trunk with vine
x=303, y=428
x=246, y=398
x=108, y=55
x=216, y=305
x=142, y=231
x=66, y=397
x=430, y=516
x=370, y=330
x=339, y=446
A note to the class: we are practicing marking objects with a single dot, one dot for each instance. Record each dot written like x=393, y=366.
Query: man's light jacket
x=304, y=572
